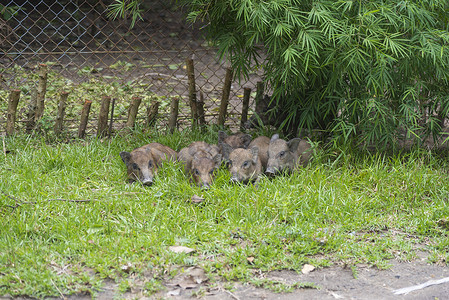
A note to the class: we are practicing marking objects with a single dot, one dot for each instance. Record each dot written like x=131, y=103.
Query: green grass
x=345, y=207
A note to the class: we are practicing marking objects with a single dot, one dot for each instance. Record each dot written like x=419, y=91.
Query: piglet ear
x=274, y=137
x=293, y=144
x=126, y=156
x=246, y=139
x=225, y=150
x=217, y=159
x=255, y=153
x=221, y=136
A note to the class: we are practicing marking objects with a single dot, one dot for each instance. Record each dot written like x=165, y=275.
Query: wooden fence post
x=173, y=114
x=61, y=110
x=259, y=94
x=225, y=97
x=132, y=112
x=192, y=90
x=102, y=129
x=14, y=97
x=41, y=90
x=112, y=117
x=31, y=111
x=84, y=119
x=152, y=112
x=200, y=110
x=245, y=107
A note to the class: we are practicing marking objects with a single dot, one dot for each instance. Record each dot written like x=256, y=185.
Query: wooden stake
x=31, y=111
x=14, y=97
x=61, y=110
x=84, y=119
x=152, y=112
x=259, y=94
x=200, y=110
x=102, y=129
x=41, y=90
x=173, y=114
x=132, y=112
x=192, y=90
x=225, y=98
x=112, y=117
x=245, y=107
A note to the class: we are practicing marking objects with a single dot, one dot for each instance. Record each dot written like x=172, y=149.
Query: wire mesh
x=90, y=55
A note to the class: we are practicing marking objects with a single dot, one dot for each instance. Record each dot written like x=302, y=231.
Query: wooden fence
x=105, y=119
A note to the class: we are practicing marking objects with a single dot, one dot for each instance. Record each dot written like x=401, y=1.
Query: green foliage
x=362, y=69
x=7, y=12
x=123, y=8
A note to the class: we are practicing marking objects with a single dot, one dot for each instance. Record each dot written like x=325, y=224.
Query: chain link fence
x=90, y=56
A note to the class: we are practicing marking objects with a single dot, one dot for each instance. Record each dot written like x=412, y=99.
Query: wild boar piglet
x=142, y=163
x=286, y=156
x=245, y=165
x=200, y=162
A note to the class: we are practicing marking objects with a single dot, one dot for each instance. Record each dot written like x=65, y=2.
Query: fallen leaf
x=176, y=292
x=180, y=249
x=444, y=223
x=250, y=259
x=192, y=277
x=306, y=269
x=197, y=199
x=126, y=268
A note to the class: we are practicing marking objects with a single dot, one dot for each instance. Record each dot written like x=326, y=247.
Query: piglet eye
x=135, y=166
x=150, y=164
x=281, y=154
x=196, y=172
x=245, y=164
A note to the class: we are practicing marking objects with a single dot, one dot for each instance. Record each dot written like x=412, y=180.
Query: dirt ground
x=332, y=283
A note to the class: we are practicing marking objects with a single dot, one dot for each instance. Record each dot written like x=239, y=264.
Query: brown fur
x=142, y=163
x=200, y=162
x=227, y=143
x=262, y=143
x=245, y=165
x=287, y=156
